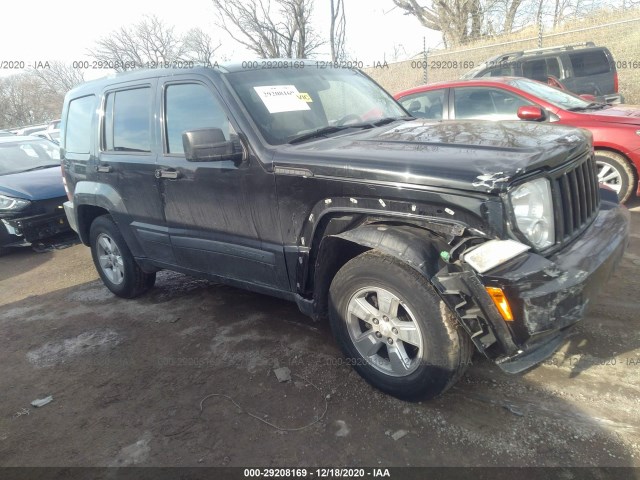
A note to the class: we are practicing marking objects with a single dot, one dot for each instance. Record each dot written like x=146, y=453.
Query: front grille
x=577, y=198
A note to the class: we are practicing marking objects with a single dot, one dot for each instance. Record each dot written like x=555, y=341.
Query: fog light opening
x=501, y=303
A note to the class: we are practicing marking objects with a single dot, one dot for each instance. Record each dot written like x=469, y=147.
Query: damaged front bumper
x=547, y=295
x=38, y=227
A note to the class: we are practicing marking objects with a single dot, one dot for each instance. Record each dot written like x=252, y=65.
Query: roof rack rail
x=569, y=46
x=511, y=55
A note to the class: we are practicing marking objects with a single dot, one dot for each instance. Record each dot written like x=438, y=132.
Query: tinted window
x=540, y=69
x=505, y=71
x=189, y=107
x=78, y=130
x=127, y=124
x=589, y=63
x=553, y=67
x=425, y=104
x=535, y=69
x=487, y=103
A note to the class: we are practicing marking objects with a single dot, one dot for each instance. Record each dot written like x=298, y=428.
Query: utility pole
x=540, y=24
x=425, y=75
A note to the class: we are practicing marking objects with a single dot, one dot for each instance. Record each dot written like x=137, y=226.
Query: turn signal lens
x=501, y=302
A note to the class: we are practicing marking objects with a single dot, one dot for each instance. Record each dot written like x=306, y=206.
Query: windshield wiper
x=41, y=167
x=386, y=120
x=592, y=105
x=321, y=132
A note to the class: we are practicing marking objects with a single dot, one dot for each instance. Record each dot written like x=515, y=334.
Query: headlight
x=533, y=209
x=11, y=203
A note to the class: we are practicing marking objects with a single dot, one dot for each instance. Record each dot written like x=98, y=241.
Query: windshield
x=473, y=72
x=287, y=104
x=559, y=98
x=24, y=155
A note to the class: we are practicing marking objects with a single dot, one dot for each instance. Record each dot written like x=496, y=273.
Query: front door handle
x=167, y=173
x=103, y=168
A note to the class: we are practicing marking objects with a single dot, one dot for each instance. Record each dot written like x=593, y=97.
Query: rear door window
x=425, y=104
x=541, y=68
x=535, y=69
x=127, y=125
x=553, y=67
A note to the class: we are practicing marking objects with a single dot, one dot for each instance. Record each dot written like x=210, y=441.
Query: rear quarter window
x=78, y=129
x=589, y=63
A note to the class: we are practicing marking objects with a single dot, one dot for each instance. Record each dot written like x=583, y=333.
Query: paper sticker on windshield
x=281, y=98
x=305, y=97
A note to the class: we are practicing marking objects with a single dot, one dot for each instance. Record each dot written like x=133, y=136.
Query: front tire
x=394, y=329
x=114, y=262
x=615, y=172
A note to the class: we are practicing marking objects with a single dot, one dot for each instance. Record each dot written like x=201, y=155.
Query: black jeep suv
x=582, y=68
x=417, y=240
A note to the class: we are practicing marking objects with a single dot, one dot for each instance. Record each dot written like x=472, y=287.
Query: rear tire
x=394, y=329
x=114, y=262
x=617, y=173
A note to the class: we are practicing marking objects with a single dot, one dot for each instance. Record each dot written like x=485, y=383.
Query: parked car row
x=615, y=128
x=50, y=131
x=31, y=191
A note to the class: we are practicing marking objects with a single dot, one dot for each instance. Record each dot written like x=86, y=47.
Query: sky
x=65, y=29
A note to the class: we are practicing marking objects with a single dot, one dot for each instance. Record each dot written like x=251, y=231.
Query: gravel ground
x=131, y=382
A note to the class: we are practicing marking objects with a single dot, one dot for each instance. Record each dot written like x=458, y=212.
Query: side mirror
x=209, y=145
x=531, y=112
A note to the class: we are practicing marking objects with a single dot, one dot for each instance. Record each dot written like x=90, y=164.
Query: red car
x=615, y=128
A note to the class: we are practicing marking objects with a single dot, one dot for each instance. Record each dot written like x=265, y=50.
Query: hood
x=36, y=185
x=468, y=155
x=616, y=114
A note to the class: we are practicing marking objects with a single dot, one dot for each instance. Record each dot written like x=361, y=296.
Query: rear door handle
x=103, y=168
x=167, y=173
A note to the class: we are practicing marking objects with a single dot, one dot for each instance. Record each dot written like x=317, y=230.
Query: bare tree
x=284, y=32
x=511, y=9
x=462, y=21
x=459, y=20
x=59, y=77
x=199, y=46
x=25, y=100
x=151, y=42
x=337, y=30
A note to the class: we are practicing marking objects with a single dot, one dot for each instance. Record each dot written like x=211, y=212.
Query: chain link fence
x=617, y=30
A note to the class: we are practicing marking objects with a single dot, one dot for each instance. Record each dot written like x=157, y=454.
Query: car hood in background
x=35, y=185
x=616, y=114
